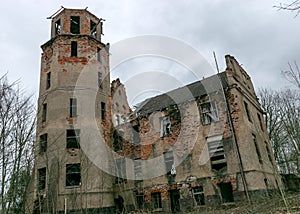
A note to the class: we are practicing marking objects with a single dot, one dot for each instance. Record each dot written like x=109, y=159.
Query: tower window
x=73, y=48
x=73, y=138
x=99, y=54
x=75, y=25
x=44, y=112
x=120, y=169
x=48, y=80
x=42, y=178
x=57, y=27
x=247, y=111
x=73, y=107
x=257, y=149
x=209, y=113
x=103, y=110
x=135, y=134
x=99, y=79
x=138, y=174
x=269, y=153
x=73, y=175
x=43, y=143
x=140, y=201
x=93, y=29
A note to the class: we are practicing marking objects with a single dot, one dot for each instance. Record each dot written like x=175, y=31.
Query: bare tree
x=293, y=74
x=282, y=118
x=293, y=6
x=17, y=124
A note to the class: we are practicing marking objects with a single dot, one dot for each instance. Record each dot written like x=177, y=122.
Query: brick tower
x=74, y=67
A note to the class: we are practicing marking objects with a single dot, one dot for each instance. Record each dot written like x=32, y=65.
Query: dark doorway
x=226, y=192
x=174, y=199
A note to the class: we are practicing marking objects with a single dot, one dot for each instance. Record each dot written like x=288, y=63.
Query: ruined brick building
x=200, y=145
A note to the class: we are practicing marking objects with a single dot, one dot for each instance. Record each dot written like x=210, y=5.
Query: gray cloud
x=260, y=37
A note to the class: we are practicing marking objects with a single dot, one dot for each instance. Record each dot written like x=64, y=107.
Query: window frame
x=156, y=200
x=217, y=154
x=247, y=111
x=103, y=110
x=93, y=29
x=100, y=80
x=73, y=107
x=43, y=143
x=42, y=176
x=74, y=49
x=48, y=80
x=57, y=26
x=70, y=137
x=258, y=152
x=44, y=112
x=70, y=173
x=209, y=112
x=196, y=195
x=75, y=24
x=165, y=126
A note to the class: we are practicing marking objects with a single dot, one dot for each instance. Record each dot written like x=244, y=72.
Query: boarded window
x=73, y=107
x=42, y=178
x=48, y=80
x=73, y=48
x=43, y=143
x=198, y=195
x=257, y=149
x=44, y=112
x=99, y=79
x=216, y=153
x=93, y=29
x=73, y=138
x=73, y=176
x=57, y=27
x=247, y=111
x=165, y=126
x=103, y=111
x=156, y=200
x=209, y=112
x=75, y=25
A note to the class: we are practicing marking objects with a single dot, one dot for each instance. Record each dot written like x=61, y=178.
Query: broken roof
x=186, y=93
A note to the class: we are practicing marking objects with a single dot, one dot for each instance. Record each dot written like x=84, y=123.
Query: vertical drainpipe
x=237, y=149
x=65, y=205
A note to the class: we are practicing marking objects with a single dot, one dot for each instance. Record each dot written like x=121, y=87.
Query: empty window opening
x=48, y=80
x=138, y=169
x=42, y=178
x=73, y=48
x=135, y=134
x=93, y=29
x=257, y=149
x=73, y=176
x=260, y=121
x=43, y=143
x=209, y=112
x=75, y=24
x=217, y=155
x=57, y=27
x=165, y=126
x=169, y=163
x=118, y=140
x=103, y=111
x=198, y=195
x=174, y=199
x=44, y=112
x=73, y=107
x=99, y=54
x=140, y=199
x=269, y=153
x=99, y=79
x=73, y=138
x=120, y=170
x=247, y=111
x=226, y=192
x=156, y=200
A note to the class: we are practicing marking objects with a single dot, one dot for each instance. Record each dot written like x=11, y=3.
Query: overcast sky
x=260, y=37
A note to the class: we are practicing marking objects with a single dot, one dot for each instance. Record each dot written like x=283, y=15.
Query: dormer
x=76, y=22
